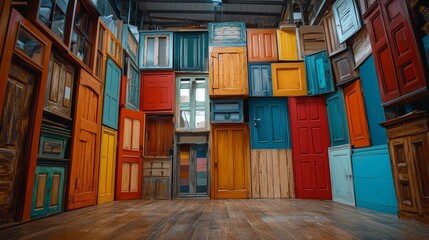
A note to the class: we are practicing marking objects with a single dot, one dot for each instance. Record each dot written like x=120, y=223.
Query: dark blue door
x=269, y=123
x=260, y=80
x=337, y=118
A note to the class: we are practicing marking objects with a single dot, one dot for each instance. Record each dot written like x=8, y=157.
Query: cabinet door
x=361, y=46
x=228, y=71
x=163, y=188
x=319, y=74
x=332, y=41
x=356, y=115
x=287, y=45
x=59, y=89
x=262, y=45
x=403, y=46
x=310, y=142
x=343, y=65
x=311, y=40
x=260, y=80
x=340, y=165
x=156, y=50
x=130, y=151
x=48, y=191
x=289, y=79
x=269, y=123
x=106, y=182
x=337, y=118
x=132, y=88
x=159, y=135
x=157, y=91
x=227, y=34
x=224, y=111
x=384, y=66
x=419, y=148
x=230, y=161
x=347, y=18
x=85, y=154
x=111, y=95
x=191, y=52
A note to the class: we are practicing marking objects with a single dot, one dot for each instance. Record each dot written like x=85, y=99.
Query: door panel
x=111, y=95
x=260, y=80
x=332, y=41
x=311, y=40
x=347, y=18
x=337, y=118
x=227, y=34
x=106, y=185
x=130, y=152
x=287, y=45
x=289, y=79
x=341, y=175
x=310, y=142
x=159, y=136
x=230, y=156
x=86, y=143
x=191, y=51
x=319, y=74
x=157, y=91
x=343, y=66
x=269, y=124
x=262, y=45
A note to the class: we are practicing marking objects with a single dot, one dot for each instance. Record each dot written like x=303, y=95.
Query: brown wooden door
x=159, y=135
x=419, y=147
x=129, y=170
x=343, y=66
x=230, y=161
x=86, y=143
x=310, y=142
x=332, y=41
x=262, y=45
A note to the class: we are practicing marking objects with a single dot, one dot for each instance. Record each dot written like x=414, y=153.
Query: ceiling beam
x=276, y=14
x=279, y=3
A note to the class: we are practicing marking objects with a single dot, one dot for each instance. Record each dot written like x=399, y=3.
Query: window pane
x=184, y=95
x=200, y=119
x=58, y=23
x=185, y=116
x=162, y=51
x=200, y=94
x=45, y=11
x=150, y=61
x=30, y=46
x=100, y=38
x=74, y=43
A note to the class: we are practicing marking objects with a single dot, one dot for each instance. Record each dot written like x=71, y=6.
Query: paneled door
x=340, y=163
x=111, y=95
x=85, y=154
x=230, y=161
x=130, y=152
x=106, y=183
x=310, y=142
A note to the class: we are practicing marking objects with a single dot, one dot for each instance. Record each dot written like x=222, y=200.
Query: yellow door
x=106, y=187
x=287, y=45
x=289, y=79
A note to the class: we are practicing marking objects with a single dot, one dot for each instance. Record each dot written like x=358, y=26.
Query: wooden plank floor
x=220, y=219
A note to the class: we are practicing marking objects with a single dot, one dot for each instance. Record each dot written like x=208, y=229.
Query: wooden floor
x=220, y=219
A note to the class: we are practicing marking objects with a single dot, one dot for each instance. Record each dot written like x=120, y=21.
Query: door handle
x=255, y=121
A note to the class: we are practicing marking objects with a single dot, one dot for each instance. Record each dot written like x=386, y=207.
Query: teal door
x=340, y=165
x=269, y=123
x=337, y=118
x=132, y=99
x=191, y=52
x=48, y=191
x=260, y=80
x=111, y=95
x=319, y=74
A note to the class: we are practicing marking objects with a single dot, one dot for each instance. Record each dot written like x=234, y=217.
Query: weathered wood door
x=347, y=18
x=106, y=183
x=340, y=164
x=230, y=161
x=332, y=42
x=130, y=152
x=85, y=153
x=310, y=142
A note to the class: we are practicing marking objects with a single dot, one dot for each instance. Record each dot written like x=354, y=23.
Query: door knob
x=255, y=121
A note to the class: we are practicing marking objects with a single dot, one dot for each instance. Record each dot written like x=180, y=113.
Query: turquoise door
x=191, y=52
x=132, y=99
x=337, y=118
x=269, y=123
x=319, y=74
x=48, y=191
x=111, y=95
x=260, y=80
x=340, y=165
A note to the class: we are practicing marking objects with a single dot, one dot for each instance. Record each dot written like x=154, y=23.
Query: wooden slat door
x=227, y=34
x=310, y=142
x=356, y=115
x=311, y=40
x=347, y=18
x=340, y=163
x=85, y=152
x=106, y=183
x=228, y=71
x=230, y=161
x=262, y=45
x=130, y=152
x=287, y=45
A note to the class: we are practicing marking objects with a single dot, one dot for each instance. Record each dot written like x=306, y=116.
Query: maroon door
x=310, y=142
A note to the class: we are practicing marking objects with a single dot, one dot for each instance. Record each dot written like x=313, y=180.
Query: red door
x=310, y=142
x=130, y=149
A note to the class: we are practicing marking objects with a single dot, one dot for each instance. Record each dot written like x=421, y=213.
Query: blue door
x=111, y=95
x=337, y=118
x=191, y=51
x=340, y=166
x=260, y=80
x=269, y=123
x=319, y=74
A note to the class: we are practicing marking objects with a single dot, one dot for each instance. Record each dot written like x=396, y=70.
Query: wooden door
x=262, y=45
x=384, y=65
x=310, y=142
x=106, y=182
x=157, y=92
x=311, y=40
x=191, y=51
x=419, y=149
x=159, y=135
x=319, y=74
x=356, y=115
x=403, y=46
x=132, y=87
x=289, y=79
x=332, y=42
x=111, y=95
x=85, y=152
x=340, y=164
x=192, y=174
x=269, y=123
x=114, y=49
x=228, y=71
x=260, y=80
x=230, y=161
x=130, y=152
x=227, y=34
x=5, y=7
x=337, y=118
x=287, y=45
x=343, y=66
x=347, y=18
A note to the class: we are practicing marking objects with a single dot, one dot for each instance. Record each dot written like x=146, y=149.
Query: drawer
x=52, y=145
x=153, y=165
x=226, y=111
x=166, y=172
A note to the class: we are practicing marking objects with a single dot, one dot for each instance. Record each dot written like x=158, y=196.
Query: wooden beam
x=279, y=3
x=276, y=14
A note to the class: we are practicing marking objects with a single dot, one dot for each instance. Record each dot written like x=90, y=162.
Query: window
x=81, y=40
x=156, y=50
x=192, y=102
x=53, y=13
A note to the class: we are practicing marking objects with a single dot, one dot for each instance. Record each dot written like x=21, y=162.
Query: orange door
x=130, y=149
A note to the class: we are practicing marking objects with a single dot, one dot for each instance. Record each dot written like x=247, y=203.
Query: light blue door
x=260, y=80
x=340, y=165
x=269, y=123
x=111, y=95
